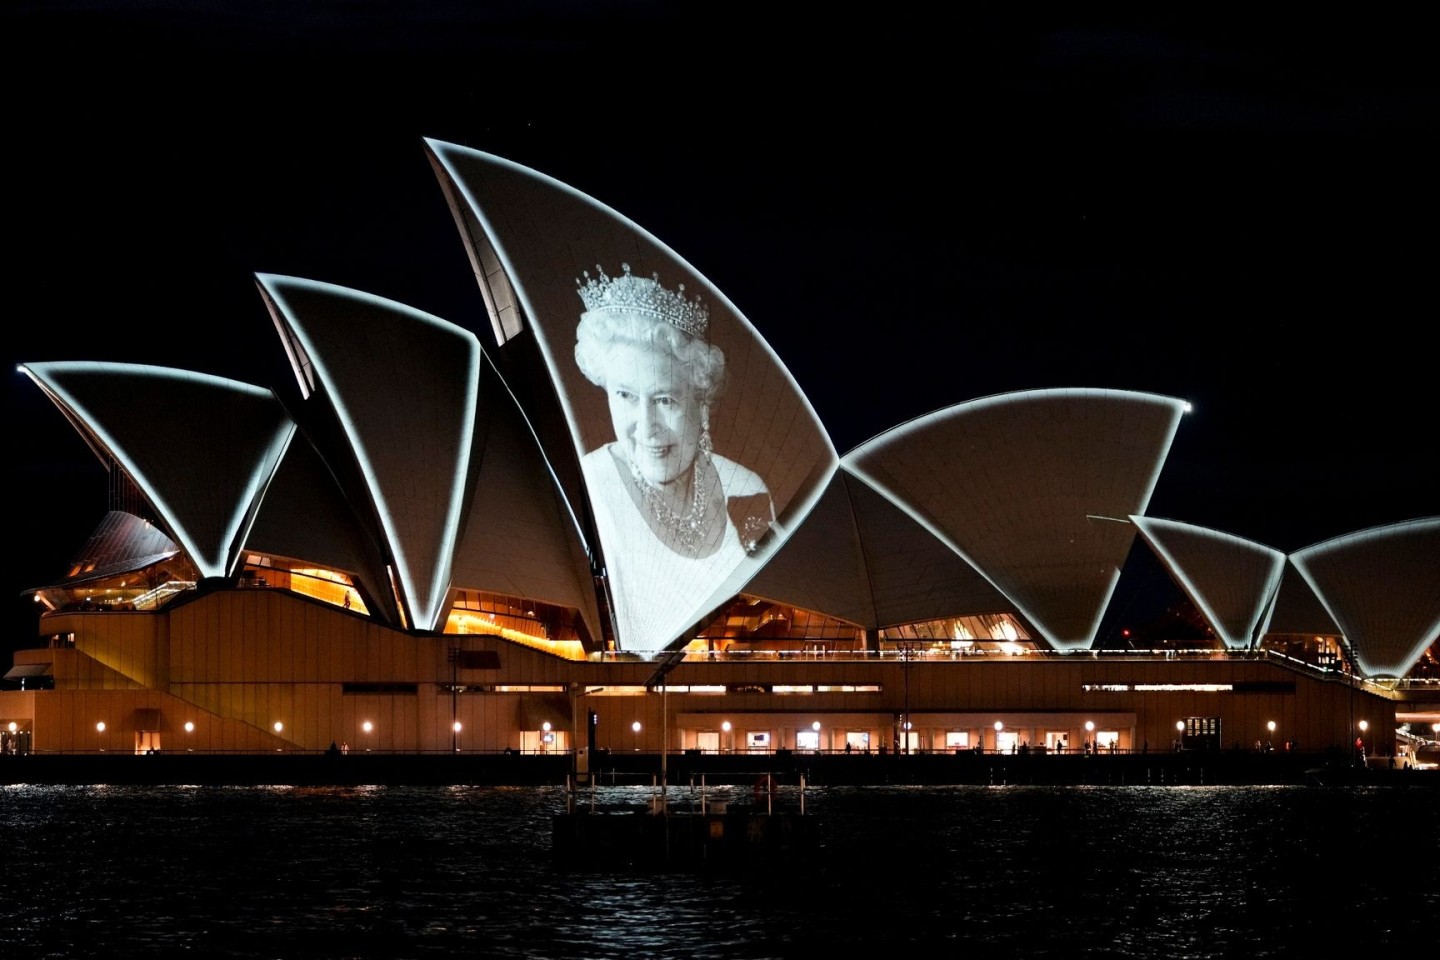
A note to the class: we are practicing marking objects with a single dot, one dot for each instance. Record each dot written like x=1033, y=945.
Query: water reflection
x=1003, y=871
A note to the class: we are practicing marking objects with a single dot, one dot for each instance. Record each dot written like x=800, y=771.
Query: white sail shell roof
x=531, y=240
x=1034, y=490
x=1382, y=587
x=1231, y=580
x=202, y=449
x=412, y=441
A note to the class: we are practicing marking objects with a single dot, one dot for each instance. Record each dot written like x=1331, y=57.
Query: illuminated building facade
x=619, y=523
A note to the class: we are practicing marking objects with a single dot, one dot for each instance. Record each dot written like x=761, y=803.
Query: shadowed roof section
x=305, y=517
x=1034, y=490
x=1232, y=581
x=860, y=557
x=1382, y=587
x=822, y=565
x=520, y=537
x=913, y=575
x=200, y=448
x=1297, y=609
x=403, y=386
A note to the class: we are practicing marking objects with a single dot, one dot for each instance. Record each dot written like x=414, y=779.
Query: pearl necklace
x=685, y=532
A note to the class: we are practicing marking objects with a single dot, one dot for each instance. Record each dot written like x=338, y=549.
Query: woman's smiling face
x=654, y=409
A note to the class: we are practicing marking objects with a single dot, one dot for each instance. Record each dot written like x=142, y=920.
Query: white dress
x=658, y=593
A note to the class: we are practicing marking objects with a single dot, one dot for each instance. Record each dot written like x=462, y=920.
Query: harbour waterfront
x=512, y=768
x=1204, y=871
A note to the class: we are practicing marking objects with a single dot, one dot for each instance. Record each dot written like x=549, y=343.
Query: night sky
x=915, y=212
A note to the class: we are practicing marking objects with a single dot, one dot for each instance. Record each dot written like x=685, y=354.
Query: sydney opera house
x=609, y=519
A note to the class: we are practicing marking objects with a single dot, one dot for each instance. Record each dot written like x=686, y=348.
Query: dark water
x=903, y=872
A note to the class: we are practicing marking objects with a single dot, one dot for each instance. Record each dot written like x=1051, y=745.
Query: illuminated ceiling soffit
x=403, y=385
x=122, y=543
x=1034, y=489
x=547, y=238
x=1231, y=581
x=1382, y=588
x=201, y=449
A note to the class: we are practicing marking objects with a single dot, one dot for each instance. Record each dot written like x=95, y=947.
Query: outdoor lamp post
x=453, y=656
x=725, y=731
x=999, y=725
x=545, y=737
x=100, y=730
x=1360, y=741
x=905, y=671
x=635, y=729
x=816, y=727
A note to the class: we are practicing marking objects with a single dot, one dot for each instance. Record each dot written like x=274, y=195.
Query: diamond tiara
x=648, y=297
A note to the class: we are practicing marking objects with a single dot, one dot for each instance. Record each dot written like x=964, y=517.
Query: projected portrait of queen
x=675, y=515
